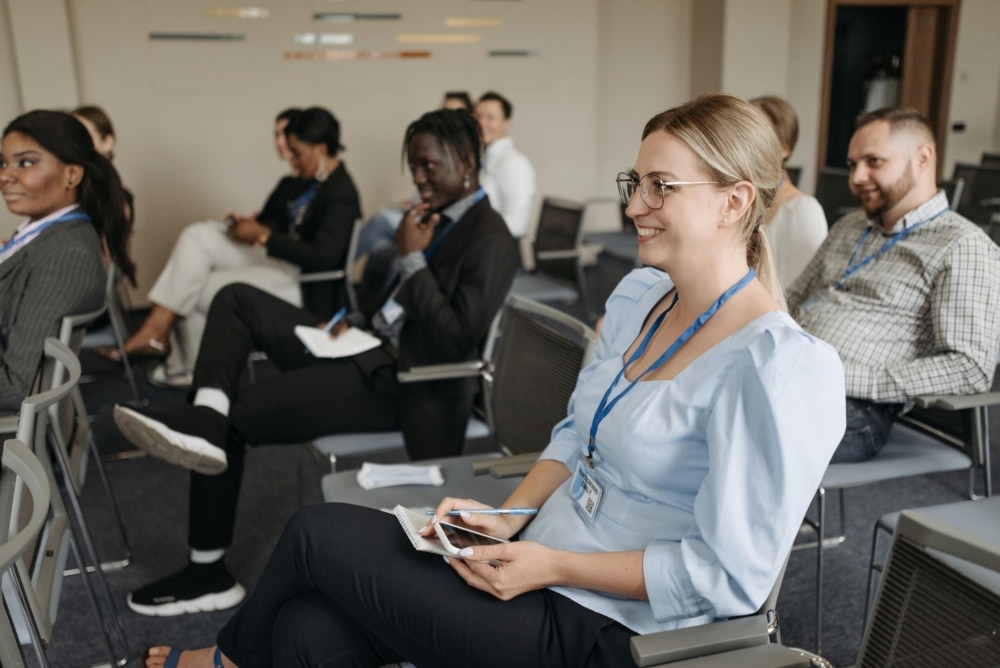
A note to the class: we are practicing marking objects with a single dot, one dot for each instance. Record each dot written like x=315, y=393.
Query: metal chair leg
x=820, y=528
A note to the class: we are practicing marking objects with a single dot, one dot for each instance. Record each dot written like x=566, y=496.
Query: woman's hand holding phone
x=506, y=570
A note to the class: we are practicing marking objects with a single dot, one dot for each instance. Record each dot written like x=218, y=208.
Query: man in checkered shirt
x=905, y=289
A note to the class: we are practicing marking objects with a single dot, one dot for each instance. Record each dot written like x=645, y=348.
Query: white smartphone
x=454, y=537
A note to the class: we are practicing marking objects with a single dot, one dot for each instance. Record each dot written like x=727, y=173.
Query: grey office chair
x=529, y=373
x=320, y=291
x=834, y=193
x=319, y=288
x=558, y=275
x=65, y=528
x=926, y=440
x=938, y=604
x=980, y=200
x=20, y=466
x=72, y=433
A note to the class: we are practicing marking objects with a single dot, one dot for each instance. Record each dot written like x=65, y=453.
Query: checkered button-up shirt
x=922, y=317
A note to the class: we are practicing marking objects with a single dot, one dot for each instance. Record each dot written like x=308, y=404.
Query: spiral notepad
x=411, y=521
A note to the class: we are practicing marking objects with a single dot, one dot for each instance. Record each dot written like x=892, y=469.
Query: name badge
x=391, y=311
x=586, y=490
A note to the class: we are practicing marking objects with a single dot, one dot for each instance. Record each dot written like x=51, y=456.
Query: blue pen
x=337, y=317
x=491, y=511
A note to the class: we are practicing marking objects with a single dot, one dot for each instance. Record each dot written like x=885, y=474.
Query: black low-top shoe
x=197, y=588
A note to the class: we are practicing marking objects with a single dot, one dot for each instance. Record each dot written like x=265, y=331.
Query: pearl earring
x=465, y=182
x=321, y=172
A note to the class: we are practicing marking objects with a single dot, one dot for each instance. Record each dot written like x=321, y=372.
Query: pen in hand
x=491, y=511
x=337, y=317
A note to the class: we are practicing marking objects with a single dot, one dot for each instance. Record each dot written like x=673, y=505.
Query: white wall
x=194, y=119
x=975, y=89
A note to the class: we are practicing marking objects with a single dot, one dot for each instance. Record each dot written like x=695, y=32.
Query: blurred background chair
x=558, y=274
x=990, y=159
x=529, y=374
x=980, y=200
x=943, y=433
x=938, y=603
x=834, y=193
x=16, y=538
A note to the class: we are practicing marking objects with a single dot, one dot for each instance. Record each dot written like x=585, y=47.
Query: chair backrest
x=558, y=238
x=982, y=184
x=19, y=465
x=324, y=291
x=990, y=159
x=535, y=363
x=834, y=193
x=952, y=190
x=32, y=430
x=927, y=612
x=794, y=173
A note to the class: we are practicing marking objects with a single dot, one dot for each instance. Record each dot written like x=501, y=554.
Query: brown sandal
x=153, y=348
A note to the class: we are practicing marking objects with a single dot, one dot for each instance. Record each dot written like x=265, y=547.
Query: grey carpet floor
x=152, y=496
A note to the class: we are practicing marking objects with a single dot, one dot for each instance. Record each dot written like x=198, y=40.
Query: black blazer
x=320, y=241
x=451, y=303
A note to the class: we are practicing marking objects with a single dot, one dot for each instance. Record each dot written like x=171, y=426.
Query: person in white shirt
x=796, y=224
x=507, y=175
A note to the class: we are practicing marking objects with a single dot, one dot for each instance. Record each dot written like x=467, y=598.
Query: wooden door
x=919, y=34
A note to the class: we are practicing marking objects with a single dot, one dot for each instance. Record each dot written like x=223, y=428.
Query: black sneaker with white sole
x=193, y=437
x=197, y=588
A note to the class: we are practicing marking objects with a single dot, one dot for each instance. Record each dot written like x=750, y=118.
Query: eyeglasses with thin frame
x=652, y=189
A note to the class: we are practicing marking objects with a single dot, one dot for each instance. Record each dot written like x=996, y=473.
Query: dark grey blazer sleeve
x=59, y=273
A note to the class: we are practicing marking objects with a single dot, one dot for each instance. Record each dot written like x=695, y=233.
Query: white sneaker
x=160, y=377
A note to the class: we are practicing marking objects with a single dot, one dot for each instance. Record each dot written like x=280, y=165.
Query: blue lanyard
x=65, y=218
x=604, y=408
x=852, y=268
x=296, y=210
x=448, y=228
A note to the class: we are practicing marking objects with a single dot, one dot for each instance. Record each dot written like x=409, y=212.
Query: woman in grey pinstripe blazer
x=53, y=265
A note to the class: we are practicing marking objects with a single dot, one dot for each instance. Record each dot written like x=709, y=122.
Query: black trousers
x=309, y=398
x=344, y=587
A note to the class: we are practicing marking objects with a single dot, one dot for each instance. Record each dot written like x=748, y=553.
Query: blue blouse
x=710, y=473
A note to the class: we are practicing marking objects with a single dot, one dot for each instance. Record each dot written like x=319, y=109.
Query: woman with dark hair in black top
x=305, y=225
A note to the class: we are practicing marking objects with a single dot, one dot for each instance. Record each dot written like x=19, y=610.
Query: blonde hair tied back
x=736, y=142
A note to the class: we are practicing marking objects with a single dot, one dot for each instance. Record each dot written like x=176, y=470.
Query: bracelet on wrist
x=264, y=235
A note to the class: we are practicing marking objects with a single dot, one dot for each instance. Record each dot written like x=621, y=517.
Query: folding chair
x=72, y=434
x=921, y=442
x=318, y=291
x=318, y=287
x=118, y=334
x=529, y=372
x=558, y=275
x=19, y=461
x=938, y=604
x=64, y=527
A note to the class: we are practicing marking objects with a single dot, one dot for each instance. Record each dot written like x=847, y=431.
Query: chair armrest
x=484, y=466
x=441, y=371
x=517, y=467
x=318, y=276
x=957, y=402
x=652, y=649
x=760, y=656
x=558, y=254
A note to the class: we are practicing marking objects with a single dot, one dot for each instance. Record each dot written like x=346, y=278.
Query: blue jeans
x=868, y=428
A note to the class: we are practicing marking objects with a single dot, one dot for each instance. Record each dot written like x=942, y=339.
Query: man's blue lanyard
x=604, y=408
x=297, y=209
x=436, y=242
x=852, y=268
x=25, y=238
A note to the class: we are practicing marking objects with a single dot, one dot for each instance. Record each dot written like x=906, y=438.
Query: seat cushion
x=908, y=453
